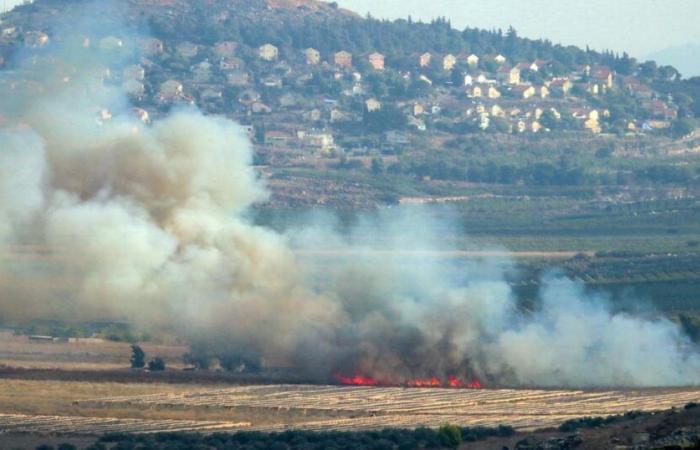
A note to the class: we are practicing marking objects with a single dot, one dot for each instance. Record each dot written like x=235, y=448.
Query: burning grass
x=434, y=382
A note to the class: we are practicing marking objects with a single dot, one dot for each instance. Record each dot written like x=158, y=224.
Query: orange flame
x=452, y=382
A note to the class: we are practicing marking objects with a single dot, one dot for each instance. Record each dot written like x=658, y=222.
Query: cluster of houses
x=262, y=86
x=505, y=92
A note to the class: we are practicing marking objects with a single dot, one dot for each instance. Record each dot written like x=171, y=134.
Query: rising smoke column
x=148, y=223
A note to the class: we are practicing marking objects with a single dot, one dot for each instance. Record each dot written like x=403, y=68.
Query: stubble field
x=85, y=408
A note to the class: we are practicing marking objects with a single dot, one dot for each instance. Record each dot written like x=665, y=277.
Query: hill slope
x=372, y=110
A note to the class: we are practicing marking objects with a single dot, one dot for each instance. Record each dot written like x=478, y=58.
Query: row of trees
x=252, y=24
x=446, y=437
x=138, y=360
x=533, y=174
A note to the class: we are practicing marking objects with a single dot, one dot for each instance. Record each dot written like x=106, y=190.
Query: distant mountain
x=685, y=58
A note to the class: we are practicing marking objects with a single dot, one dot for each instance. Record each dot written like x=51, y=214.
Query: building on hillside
x=424, y=59
x=248, y=97
x=449, y=61
x=660, y=110
x=523, y=92
x=110, y=43
x=134, y=88
x=425, y=80
x=313, y=115
x=539, y=64
x=260, y=108
x=416, y=123
x=637, y=89
x=187, y=50
x=338, y=115
x=398, y=138
x=323, y=142
x=528, y=126
x=288, y=100
x=483, y=79
x=561, y=86
x=134, y=72
x=376, y=60
x=272, y=81
x=277, y=138
x=542, y=92
x=589, y=117
x=603, y=75
x=171, y=88
x=497, y=111
x=238, y=78
x=225, y=49
x=229, y=63
x=508, y=75
x=312, y=56
x=483, y=90
x=268, y=52
x=343, y=59
x=418, y=109
x=211, y=93
x=472, y=61
x=35, y=39
x=141, y=114
x=151, y=46
x=373, y=105
x=524, y=67
x=201, y=73
x=498, y=59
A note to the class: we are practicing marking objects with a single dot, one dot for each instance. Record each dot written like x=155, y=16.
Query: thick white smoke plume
x=147, y=223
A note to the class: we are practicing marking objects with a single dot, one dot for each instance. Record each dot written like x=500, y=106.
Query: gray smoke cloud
x=149, y=223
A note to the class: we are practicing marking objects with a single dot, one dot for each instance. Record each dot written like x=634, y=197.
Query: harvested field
x=81, y=408
x=17, y=423
x=350, y=408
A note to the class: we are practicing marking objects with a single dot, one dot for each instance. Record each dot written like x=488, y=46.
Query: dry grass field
x=83, y=408
x=20, y=351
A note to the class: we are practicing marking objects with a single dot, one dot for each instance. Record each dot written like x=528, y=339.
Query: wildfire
x=451, y=382
x=357, y=380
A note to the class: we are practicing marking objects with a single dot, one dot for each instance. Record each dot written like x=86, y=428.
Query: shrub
x=156, y=365
x=450, y=436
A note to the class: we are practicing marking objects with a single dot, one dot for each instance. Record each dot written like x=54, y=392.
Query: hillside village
x=303, y=105
x=321, y=101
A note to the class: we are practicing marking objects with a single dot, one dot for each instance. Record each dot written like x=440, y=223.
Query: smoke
x=149, y=223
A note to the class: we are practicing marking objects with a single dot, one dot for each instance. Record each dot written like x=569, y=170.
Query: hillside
x=362, y=111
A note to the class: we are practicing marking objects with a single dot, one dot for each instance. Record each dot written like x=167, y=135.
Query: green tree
x=67, y=446
x=156, y=365
x=138, y=357
x=450, y=436
x=377, y=166
x=681, y=128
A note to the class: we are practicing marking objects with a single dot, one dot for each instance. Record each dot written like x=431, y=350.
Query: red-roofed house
x=603, y=75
